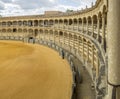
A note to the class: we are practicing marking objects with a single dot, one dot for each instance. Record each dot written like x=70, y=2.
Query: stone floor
x=84, y=90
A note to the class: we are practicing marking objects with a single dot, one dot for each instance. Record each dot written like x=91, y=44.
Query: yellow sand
x=33, y=72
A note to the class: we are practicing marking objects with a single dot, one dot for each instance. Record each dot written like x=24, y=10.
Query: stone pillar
x=69, y=39
x=83, y=48
x=87, y=27
x=93, y=56
x=58, y=24
x=88, y=52
x=63, y=37
x=68, y=25
x=98, y=28
x=78, y=25
x=77, y=43
x=74, y=41
x=113, y=49
x=54, y=24
x=53, y=36
x=82, y=26
x=59, y=37
x=103, y=29
x=63, y=24
x=92, y=27
x=73, y=24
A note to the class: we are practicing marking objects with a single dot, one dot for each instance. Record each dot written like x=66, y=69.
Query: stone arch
x=36, y=22
x=9, y=30
x=65, y=21
x=89, y=20
x=3, y=23
x=56, y=21
x=95, y=21
x=75, y=21
x=19, y=30
x=36, y=32
x=51, y=22
x=30, y=32
x=25, y=30
x=30, y=23
x=14, y=23
x=60, y=21
x=46, y=22
x=84, y=20
x=70, y=21
x=41, y=23
x=20, y=23
x=24, y=23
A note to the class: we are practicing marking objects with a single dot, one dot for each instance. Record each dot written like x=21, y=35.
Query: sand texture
x=33, y=72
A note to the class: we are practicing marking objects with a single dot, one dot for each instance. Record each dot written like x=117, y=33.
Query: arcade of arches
x=86, y=34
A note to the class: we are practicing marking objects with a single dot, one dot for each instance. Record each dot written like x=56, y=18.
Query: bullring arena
x=31, y=49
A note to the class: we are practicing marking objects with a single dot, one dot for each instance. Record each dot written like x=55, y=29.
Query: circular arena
x=33, y=72
x=71, y=55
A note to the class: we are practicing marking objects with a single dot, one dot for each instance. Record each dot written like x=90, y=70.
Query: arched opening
x=66, y=23
x=41, y=33
x=70, y=23
x=95, y=26
x=84, y=24
x=51, y=35
x=35, y=22
x=3, y=24
x=80, y=24
x=60, y=23
x=14, y=30
x=89, y=25
x=46, y=23
x=36, y=33
x=41, y=23
x=24, y=23
x=30, y=23
x=100, y=27
x=105, y=26
x=56, y=23
x=14, y=23
x=20, y=23
x=51, y=23
x=75, y=21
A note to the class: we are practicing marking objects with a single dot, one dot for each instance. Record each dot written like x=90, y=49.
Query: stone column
x=78, y=25
x=69, y=39
x=63, y=37
x=53, y=36
x=58, y=24
x=93, y=56
x=74, y=41
x=83, y=48
x=59, y=37
x=54, y=23
x=113, y=49
x=103, y=29
x=73, y=24
x=68, y=25
x=88, y=52
x=92, y=27
x=82, y=26
x=87, y=27
x=98, y=28
x=77, y=43
x=63, y=24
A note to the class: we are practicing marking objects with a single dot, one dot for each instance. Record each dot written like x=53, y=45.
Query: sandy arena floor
x=33, y=72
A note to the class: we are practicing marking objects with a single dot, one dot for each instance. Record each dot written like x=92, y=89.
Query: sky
x=36, y=7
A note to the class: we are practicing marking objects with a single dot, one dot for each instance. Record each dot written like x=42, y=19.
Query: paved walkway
x=84, y=90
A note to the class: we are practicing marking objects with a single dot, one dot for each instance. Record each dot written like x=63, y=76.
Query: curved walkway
x=30, y=71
